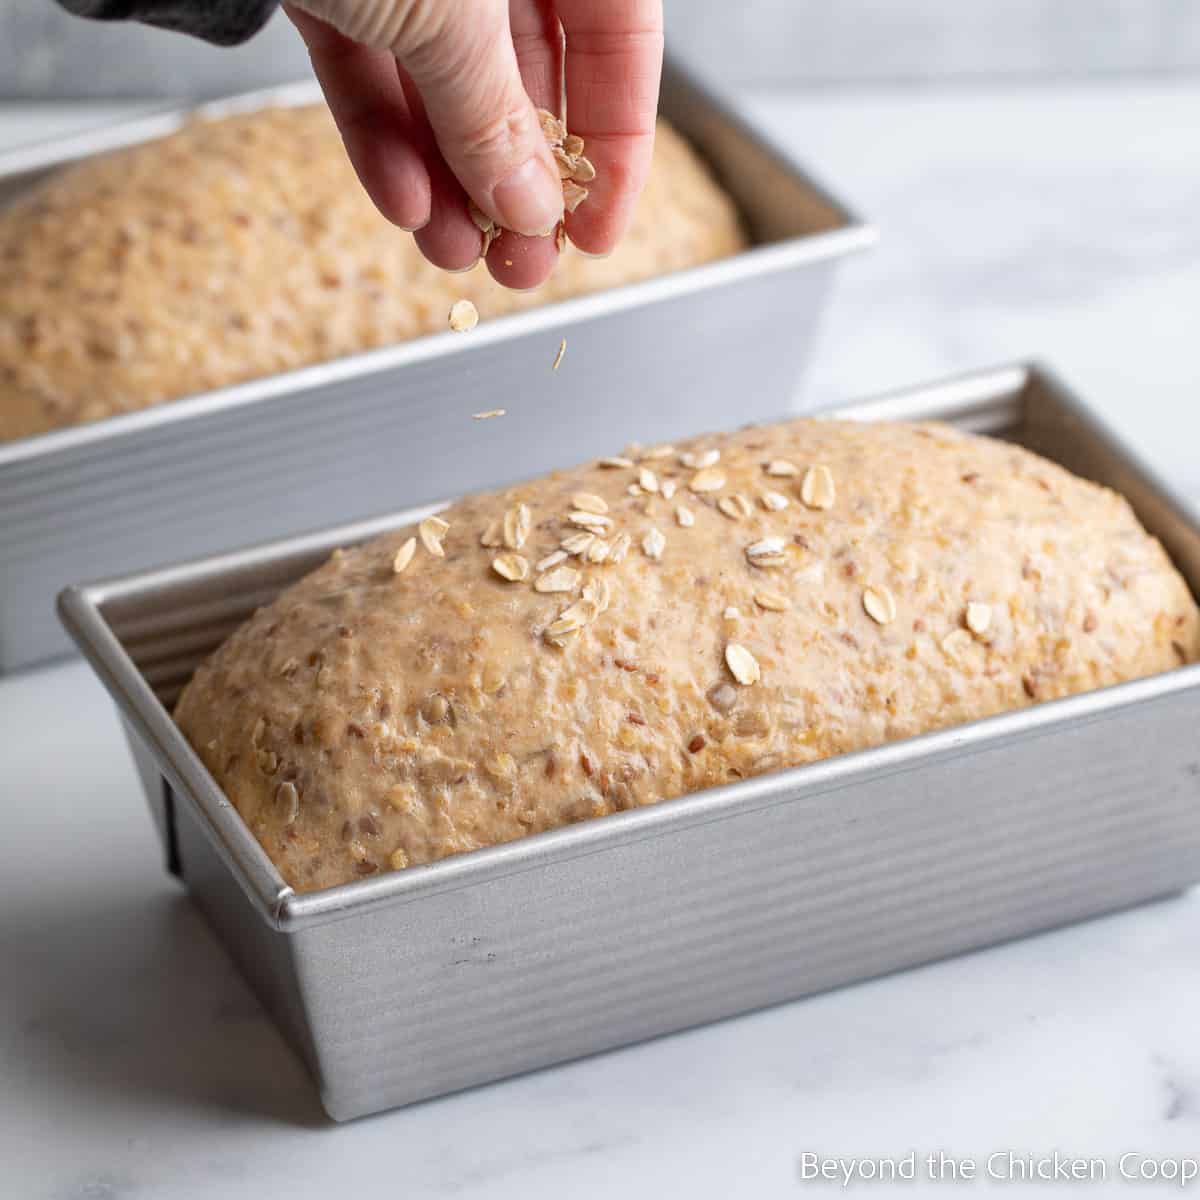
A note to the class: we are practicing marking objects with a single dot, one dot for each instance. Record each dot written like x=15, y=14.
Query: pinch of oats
x=491, y=537
x=598, y=551
x=954, y=643
x=578, y=543
x=551, y=560
x=817, y=489
x=588, y=502
x=517, y=521
x=553, y=130
x=431, y=531
x=464, y=316
x=771, y=601
x=653, y=544
x=774, y=501
x=558, y=357
x=513, y=567
x=614, y=462
x=398, y=860
x=743, y=666
x=566, y=163
x=685, y=516
x=780, y=468
x=404, y=555
x=767, y=552
x=667, y=488
x=880, y=605
x=288, y=800
x=489, y=413
x=978, y=617
x=560, y=579
x=708, y=479
x=596, y=522
x=573, y=195
x=648, y=480
x=620, y=547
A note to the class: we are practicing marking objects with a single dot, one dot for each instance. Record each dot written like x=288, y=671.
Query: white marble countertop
x=133, y=1061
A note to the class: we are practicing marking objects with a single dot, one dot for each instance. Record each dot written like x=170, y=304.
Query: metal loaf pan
x=411, y=984
x=377, y=431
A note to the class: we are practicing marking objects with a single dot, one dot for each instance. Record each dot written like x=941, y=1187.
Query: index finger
x=613, y=70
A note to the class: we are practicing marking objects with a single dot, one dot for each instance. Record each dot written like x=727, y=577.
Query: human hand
x=436, y=102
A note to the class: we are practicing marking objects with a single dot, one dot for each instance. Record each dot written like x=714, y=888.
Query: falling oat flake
x=463, y=316
x=562, y=349
x=488, y=414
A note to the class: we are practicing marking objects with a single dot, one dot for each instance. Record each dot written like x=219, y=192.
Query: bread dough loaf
x=821, y=587
x=245, y=247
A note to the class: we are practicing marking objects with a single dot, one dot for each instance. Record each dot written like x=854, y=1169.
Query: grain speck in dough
x=743, y=666
x=978, y=617
x=404, y=555
x=880, y=605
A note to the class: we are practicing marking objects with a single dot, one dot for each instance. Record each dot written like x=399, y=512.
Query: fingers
x=482, y=117
x=613, y=70
x=368, y=104
x=450, y=239
x=515, y=260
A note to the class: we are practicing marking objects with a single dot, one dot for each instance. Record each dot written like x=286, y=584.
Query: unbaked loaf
x=244, y=247
x=728, y=607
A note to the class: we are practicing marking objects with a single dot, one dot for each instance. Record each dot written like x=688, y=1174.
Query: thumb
x=465, y=68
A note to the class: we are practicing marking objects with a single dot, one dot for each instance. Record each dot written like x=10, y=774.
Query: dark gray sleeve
x=223, y=22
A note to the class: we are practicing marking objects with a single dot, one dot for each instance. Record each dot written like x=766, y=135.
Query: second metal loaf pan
x=378, y=431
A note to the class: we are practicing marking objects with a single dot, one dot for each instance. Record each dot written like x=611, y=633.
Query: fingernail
x=530, y=199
